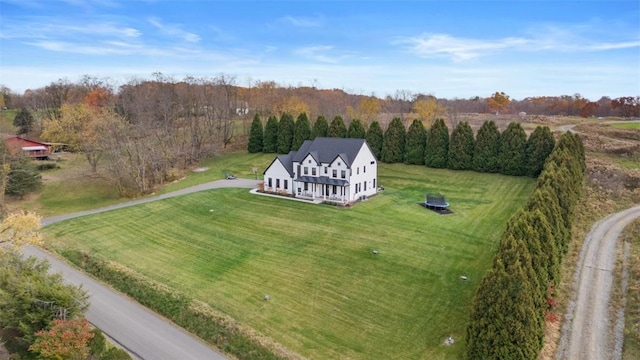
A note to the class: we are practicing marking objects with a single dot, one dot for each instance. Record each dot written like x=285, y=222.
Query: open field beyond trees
x=330, y=296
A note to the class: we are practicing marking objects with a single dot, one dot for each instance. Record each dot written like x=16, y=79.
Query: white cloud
x=304, y=22
x=174, y=30
x=549, y=39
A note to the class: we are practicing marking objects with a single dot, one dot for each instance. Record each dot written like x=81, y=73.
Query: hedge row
x=508, y=312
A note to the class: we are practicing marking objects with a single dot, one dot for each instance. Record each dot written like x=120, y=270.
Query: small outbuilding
x=32, y=148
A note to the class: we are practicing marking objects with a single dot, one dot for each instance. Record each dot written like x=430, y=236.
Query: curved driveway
x=142, y=332
x=587, y=329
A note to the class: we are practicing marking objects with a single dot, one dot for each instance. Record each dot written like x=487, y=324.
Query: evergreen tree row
x=509, y=153
x=508, y=311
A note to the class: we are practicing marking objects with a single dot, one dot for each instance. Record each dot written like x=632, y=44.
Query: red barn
x=32, y=148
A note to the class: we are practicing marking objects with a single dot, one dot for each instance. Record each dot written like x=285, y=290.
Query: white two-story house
x=331, y=169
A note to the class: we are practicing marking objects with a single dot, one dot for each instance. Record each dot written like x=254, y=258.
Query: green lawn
x=330, y=296
x=628, y=126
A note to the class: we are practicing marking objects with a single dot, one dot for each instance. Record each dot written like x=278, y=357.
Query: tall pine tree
x=270, y=139
x=393, y=142
x=512, y=156
x=375, y=138
x=302, y=131
x=539, y=146
x=337, y=128
x=485, y=156
x=437, y=150
x=255, y=135
x=285, y=133
x=415, y=143
x=461, y=147
x=356, y=130
x=320, y=128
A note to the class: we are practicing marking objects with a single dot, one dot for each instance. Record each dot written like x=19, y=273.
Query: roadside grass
x=631, y=347
x=330, y=296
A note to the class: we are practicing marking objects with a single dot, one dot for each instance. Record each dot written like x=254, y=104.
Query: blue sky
x=444, y=48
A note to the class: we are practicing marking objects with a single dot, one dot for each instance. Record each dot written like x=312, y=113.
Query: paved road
x=142, y=332
x=587, y=332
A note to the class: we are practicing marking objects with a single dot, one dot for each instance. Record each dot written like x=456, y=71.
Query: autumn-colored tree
x=368, y=109
x=256, y=135
x=428, y=109
x=19, y=229
x=82, y=129
x=98, y=97
x=498, y=102
x=589, y=109
x=356, y=129
x=293, y=106
x=337, y=128
x=31, y=297
x=374, y=138
x=394, y=142
x=65, y=339
x=270, y=140
x=320, y=128
x=415, y=143
x=627, y=106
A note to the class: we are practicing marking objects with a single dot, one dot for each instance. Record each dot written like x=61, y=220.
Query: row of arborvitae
x=509, y=152
x=508, y=313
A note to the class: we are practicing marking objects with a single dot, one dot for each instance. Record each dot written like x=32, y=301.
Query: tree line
x=509, y=309
x=509, y=152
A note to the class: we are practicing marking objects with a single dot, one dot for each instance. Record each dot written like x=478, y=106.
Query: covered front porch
x=322, y=187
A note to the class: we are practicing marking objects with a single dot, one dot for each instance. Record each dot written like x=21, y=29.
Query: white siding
x=277, y=173
x=364, y=173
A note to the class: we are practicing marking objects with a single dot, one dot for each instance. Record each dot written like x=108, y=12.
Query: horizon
x=450, y=50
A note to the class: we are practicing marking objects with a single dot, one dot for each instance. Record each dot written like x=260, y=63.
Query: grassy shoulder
x=631, y=348
x=330, y=297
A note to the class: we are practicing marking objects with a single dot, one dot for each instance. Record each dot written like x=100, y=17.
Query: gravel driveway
x=589, y=331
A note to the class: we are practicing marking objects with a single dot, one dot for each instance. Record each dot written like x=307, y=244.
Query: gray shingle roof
x=325, y=149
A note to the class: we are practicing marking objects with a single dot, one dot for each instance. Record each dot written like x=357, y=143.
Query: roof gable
x=325, y=150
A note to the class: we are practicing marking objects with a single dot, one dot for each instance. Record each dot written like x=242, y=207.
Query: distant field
x=330, y=296
x=630, y=126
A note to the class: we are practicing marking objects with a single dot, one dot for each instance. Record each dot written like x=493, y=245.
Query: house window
x=339, y=164
x=306, y=186
x=298, y=169
x=335, y=173
x=270, y=182
x=374, y=183
x=364, y=169
x=357, y=170
x=335, y=190
x=326, y=170
x=343, y=174
x=313, y=171
x=277, y=183
x=372, y=162
x=286, y=184
x=365, y=185
x=309, y=161
x=306, y=170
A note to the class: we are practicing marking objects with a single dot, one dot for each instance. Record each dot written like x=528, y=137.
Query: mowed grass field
x=330, y=296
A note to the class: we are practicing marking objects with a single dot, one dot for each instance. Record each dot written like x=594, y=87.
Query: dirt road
x=588, y=331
